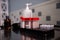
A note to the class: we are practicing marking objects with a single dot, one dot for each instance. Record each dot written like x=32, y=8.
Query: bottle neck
x=27, y=7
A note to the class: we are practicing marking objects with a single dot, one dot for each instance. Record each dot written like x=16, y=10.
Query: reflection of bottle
x=7, y=23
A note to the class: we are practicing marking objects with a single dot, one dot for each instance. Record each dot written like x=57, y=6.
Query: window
x=4, y=0
x=48, y=18
x=19, y=13
x=33, y=10
x=4, y=14
x=3, y=17
x=4, y=7
x=14, y=16
x=17, y=19
x=58, y=5
x=39, y=13
x=58, y=22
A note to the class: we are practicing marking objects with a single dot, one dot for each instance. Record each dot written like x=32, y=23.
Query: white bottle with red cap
x=27, y=13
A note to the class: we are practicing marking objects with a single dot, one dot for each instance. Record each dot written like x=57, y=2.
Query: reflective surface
x=18, y=35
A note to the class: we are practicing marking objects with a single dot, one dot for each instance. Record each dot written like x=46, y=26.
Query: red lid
x=30, y=19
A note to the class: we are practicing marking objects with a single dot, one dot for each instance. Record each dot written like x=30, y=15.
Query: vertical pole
x=29, y=24
x=23, y=24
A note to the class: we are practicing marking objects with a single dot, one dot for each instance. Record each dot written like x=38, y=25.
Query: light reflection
x=7, y=34
x=27, y=38
x=41, y=36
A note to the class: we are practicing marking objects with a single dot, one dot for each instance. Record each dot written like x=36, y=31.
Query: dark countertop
x=17, y=35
